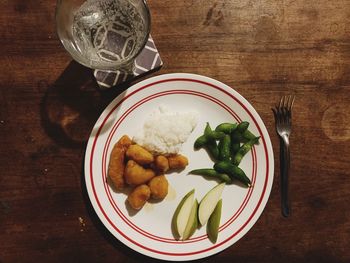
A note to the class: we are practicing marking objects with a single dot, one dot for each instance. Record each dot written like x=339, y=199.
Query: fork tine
x=285, y=101
x=291, y=104
x=280, y=105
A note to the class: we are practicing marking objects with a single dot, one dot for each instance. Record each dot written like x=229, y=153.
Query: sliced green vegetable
x=214, y=223
x=182, y=214
x=208, y=203
x=192, y=222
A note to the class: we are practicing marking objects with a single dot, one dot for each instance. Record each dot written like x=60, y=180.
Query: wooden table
x=264, y=49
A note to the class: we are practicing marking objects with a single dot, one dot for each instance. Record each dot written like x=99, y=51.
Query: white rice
x=165, y=131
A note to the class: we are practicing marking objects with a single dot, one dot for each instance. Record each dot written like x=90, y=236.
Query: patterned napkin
x=146, y=62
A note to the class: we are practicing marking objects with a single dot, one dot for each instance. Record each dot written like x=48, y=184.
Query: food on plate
x=212, y=173
x=116, y=163
x=241, y=134
x=177, y=161
x=165, y=131
x=139, y=154
x=208, y=203
x=208, y=136
x=189, y=214
x=208, y=141
x=192, y=223
x=139, y=196
x=225, y=148
x=226, y=127
x=159, y=187
x=161, y=163
x=243, y=150
x=185, y=220
x=135, y=174
x=235, y=141
x=132, y=165
x=214, y=223
x=233, y=171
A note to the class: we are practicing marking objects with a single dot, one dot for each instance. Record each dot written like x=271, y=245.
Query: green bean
x=225, y=148
x=233, y=171
x=213, y=149
x=209, y=135
x=234, y=148
x=243, y=150
x=200, y=142
x=212, y=173
x=236, y=135
x=226, y=127
x=215, y=135
x=242, y=126
x=248, y=135
x=237, y=138
x=243, y=137
x=207, y=129
x=211, y=144
x=212, y=135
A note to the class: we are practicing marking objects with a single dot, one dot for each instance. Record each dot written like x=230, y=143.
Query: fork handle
x=284, y=165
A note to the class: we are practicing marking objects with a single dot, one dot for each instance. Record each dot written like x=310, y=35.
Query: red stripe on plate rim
x=104, y=162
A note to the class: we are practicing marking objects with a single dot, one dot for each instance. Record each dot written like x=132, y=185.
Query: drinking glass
x=103, y=34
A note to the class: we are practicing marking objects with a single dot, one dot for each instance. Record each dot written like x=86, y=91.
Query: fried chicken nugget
x=177, y=161
x=139, y=154
x=135, y=174
x=161, y=164
x=159, y=187
x=116, y=164
x=139, y=196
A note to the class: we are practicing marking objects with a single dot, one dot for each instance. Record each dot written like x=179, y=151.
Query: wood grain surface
x=263, y=49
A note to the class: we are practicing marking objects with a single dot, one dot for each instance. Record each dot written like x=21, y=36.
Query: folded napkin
x=146, y=62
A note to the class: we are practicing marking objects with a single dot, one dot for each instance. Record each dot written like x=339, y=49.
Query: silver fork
x=283, y=119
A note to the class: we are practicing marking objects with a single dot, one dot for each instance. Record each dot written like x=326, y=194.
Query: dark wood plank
x=263, y=49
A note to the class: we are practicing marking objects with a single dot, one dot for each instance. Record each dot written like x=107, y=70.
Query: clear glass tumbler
x=103, y=34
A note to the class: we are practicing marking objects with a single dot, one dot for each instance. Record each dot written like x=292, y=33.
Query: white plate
x=149, y=230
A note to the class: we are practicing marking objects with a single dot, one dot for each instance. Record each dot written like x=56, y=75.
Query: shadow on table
x=125, y=250
x=72, y=104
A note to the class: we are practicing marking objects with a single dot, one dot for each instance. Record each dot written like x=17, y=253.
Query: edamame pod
x=212, y=135
x=209, y=135
x=237, y=134
x=242, y=126
x=226, y=127
x=213, y=149
x=243, y=150
x=211, y=144
x=200, y=142
x=233, y=171
x=234, y=148
x=237, y=138
x=212, y=173
x=224, y=148
x=248, y=135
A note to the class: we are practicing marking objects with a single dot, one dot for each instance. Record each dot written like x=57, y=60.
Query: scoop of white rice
x=165, y=131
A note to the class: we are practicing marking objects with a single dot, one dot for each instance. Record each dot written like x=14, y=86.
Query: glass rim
x=113, y=67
